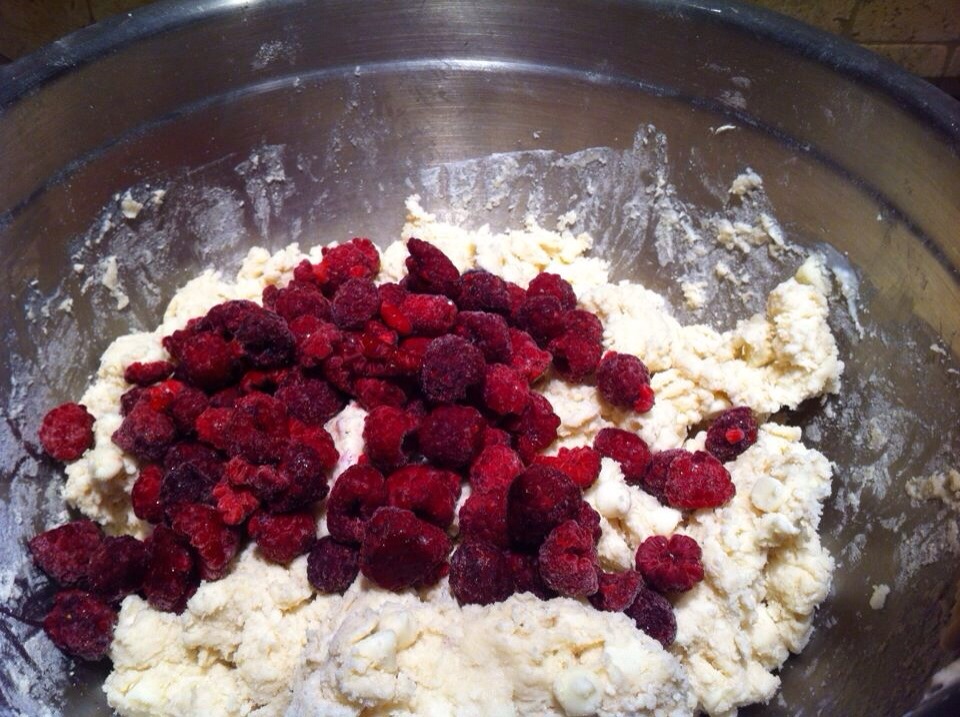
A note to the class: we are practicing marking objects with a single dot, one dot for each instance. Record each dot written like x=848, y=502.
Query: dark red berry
x=589, y=519
x=535, y=428
x=480, y=574
x=419, y=314
x=191, y=470
x=430, y=271
x=494, y=468
x=399, y=550
x=281, y=538
x=581, y=464
x=214, y=541
x=298, y=299
x=488, y=332
x=574, y=356
x=226, y=318
x=583, y=323
x=303, y=470
x=616, y=591
x=234, y=504
x=528, y=359
x=80, y=624
x=525, y=568
x=315, y=340
x=653, y=614
x=145, y=494
x=546, y=284
x=185, y=409
x=482, y=291
x=67, y=431
x=626, y=448
x=697, y=481
x=451, y=365
x=496, y=437
x=670, y=564
x=208, y=361
x=355, y=303
x=117, y=567
x=311, y=400
x=427, y=492
x=331, y=566
x=171, y=576
x=355, y=259
x=623, y=380
x=504, y=390
x=356, y=494
x=483, y=517
x=145, y=374
x=541, y=317
x=539, y=499
x=64, y=552
x=731, y=433
x=374, y=392
x=655, y=478
x=451, y=436
x=568, y=561
x=389, y=436
x=146, y=434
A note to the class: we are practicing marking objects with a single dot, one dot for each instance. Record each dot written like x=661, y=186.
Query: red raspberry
x=451, y=365
x=235, y=505
x=483, y=517
x=355, y=259
x=145, y=374
x=117, y=567
x=311, y=400
x=146, y=434
x=583, y=323
x=494, y=468
x=546, y=284
x=670, y=565
x=626, y=448
x=67, y=431
x=171, y=575
x=266, y=339
x=535, y=428
x=208, y=361
x=430, y=271
x=539, y=500
x=389, y=436
x=495, y=437
x=653, y=614
x=331, y=566
x=517, y=296
x=420, y=314
x=623, y=380
x=732, y=432
x=317, y=438
x=215, y=542
x=450, y=436
x=697, y=481
x=528, y=359
x=488, y=332
x=145, y=494
x=541, y=317
x=257, y=429
x=297, y=299
x=617, y=591
x=482, y=291
x=656, y=476
x=303, y=470
x=399, y=550
x=80, y=624
x=356, y=494
x=374, y=392
x=186, y=408
x=64, y=552
x=427, y=492
x=191, y=470
x=227, y=318
x=525, y=569
x=480, y=574
x=568, y=561
x=315, y=340
x=378, y=341
x=574, y=356
x=355, y=303
x=581, y=464
x=589, y=519
x=130, y=399
x=281, y=538
x=504, y=390
x=267, y=483
x=227, y=398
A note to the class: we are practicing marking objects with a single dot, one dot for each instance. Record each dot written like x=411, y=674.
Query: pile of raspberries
x=229, y=435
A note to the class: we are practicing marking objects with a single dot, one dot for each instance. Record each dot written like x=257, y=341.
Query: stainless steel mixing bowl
x=266, y=121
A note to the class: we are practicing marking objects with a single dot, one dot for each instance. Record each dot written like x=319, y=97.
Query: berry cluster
x=231, y=443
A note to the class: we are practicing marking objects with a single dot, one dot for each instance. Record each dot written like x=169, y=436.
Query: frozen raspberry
x=419, y=314
x=574, y=356
x=541, y=317
x=117, y=567
x=535, y=428
x=546, y=284
x=81, y=624
x=311, y=400
x=67, y=431
x=495, y=437
x=145, y=494
x=494, y=468
x=525, y=568
x=517, y=296
x=539, y=499
x=378, y=341
x=450, y=436
x=211, y=426
x=568, y=561
x=527, y=358
x=257, y=430
x=171, y=575
x=732, y=432
x=616, y=591
x=389, y=436
x=504, y=390
x=317, y=438
x=267, y=381
x=331, y=566
x=670, y=565
x=581, y=464
x=235, y=505
x=267, y=483
x=303, y=469
x=145, y=433
x=186, y=408
x=483, y=517
x=356, y=494
x=488, y=332
x=227, y=398
x=191, y=470
x=281, y=538
x=480, y=574
x=584, y=324
x=208, y=361
x=697, y=481
x=426, y=492
x=298, y=299
x=355, y=303
x=215, y=542
x=130, y=399
x=64, y=552
x=399, y=550
x=355, y=259
x=624, y=381
x=430, y=271
x=315, y=340
x=374, y=392
x=226, y=318
x=451, y=365
x=266, y=339
x=653, y=614
x=145, y=374
x=589, y=519
x=626, y=448
x=482, y=291
x=656, y=476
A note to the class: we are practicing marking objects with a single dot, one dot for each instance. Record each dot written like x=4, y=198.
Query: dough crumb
x=746, y=182
x=110, y=278
x=879, y=597
x=694, y=293
x=939, y=486
x=130, y=207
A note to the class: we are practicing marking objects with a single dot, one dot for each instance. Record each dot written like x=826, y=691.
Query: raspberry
x=146, y=434
x=495, y=437
x=355, y=303
x=624, y=381
x=653, y=614
x=267, y=483
x=227, y=398
x=80, y=624
x=67, y=431
x=450, y=436
x=504, y=390
x=535, y=428
x=528, y=359
x=517, y=296
x=319, y=440
x=546, y=284
x=574, y=356
x=656, y=476
x=235, y=505
x=581, y=464
x=315, y=340
x=420, y=314
x=208, y=361
x=145, y=374
x=589, y=519
x=298, y=299
x=525, y=569
x=281, y=538
x=483, y=517
x=541, y=317
x=670, y=565
x=488, y=332
x=331, y=566
x=697, y=481
x=399, y=550
x=451, y=365
x=215, y=542
x=211, y=426
x=171, y=576
x=480, y=574
x=303, y=472
x=389, y=436
x=191, y=470
x=130, y=399
x=430, y=271
x=732, y=432
x=626, y=448
x=426, y=492
x=145, y=494
x=494, y=469
x=226, y=318
x=568, y=561
x=64, y=552
x=584, y=324
x=257, y=429
x=186, y=408
x=356, y=494
x=539, y=500
x=355, y=259
x=266, y=339
x=378, y=341
x=482, y=291
x=616, y=591
x=374, y=392
x=117, y=567
x=311, y=400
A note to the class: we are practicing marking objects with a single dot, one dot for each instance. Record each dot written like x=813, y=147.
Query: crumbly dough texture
x=260, y=642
